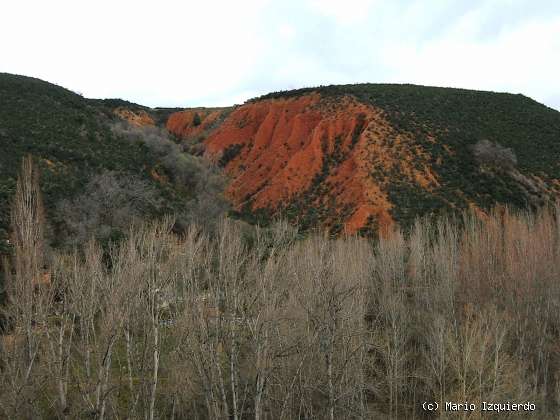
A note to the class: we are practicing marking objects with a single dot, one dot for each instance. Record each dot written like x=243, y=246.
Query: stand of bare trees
x=226, y=326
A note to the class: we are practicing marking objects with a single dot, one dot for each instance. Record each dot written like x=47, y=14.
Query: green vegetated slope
x=71, y=139
x=457, y=119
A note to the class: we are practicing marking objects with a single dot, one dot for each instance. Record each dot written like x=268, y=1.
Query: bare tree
x=27, y=298
x=492, y=154
x=110, y=203
x=249, y=322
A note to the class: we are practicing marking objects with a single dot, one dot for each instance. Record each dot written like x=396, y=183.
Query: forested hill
x=96, y=168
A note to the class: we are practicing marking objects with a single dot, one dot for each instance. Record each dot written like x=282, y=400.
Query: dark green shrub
x=196, y=119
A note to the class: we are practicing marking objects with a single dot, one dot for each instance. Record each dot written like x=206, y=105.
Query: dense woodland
x=242, y=322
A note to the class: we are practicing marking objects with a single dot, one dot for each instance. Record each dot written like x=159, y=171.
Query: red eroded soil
x=183, y=123
x=138, y=118
x=330, y=156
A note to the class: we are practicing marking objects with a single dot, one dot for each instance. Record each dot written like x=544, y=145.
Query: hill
x=354, y=158
x=360, y=157
x=95, y=157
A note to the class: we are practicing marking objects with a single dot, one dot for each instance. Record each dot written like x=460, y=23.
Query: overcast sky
x=208, y=53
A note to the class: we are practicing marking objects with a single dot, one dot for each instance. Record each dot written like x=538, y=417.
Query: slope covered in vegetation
x=359, y=157
x=103, y=159
x=354, y=158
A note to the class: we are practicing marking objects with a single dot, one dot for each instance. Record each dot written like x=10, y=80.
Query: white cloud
x=348, y=11
x=521, y=60
x=173, y=52
x=287, y=32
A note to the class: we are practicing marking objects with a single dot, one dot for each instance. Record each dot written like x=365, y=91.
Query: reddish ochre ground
x=287, y=141
x=138, y=118
x=182, y=123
